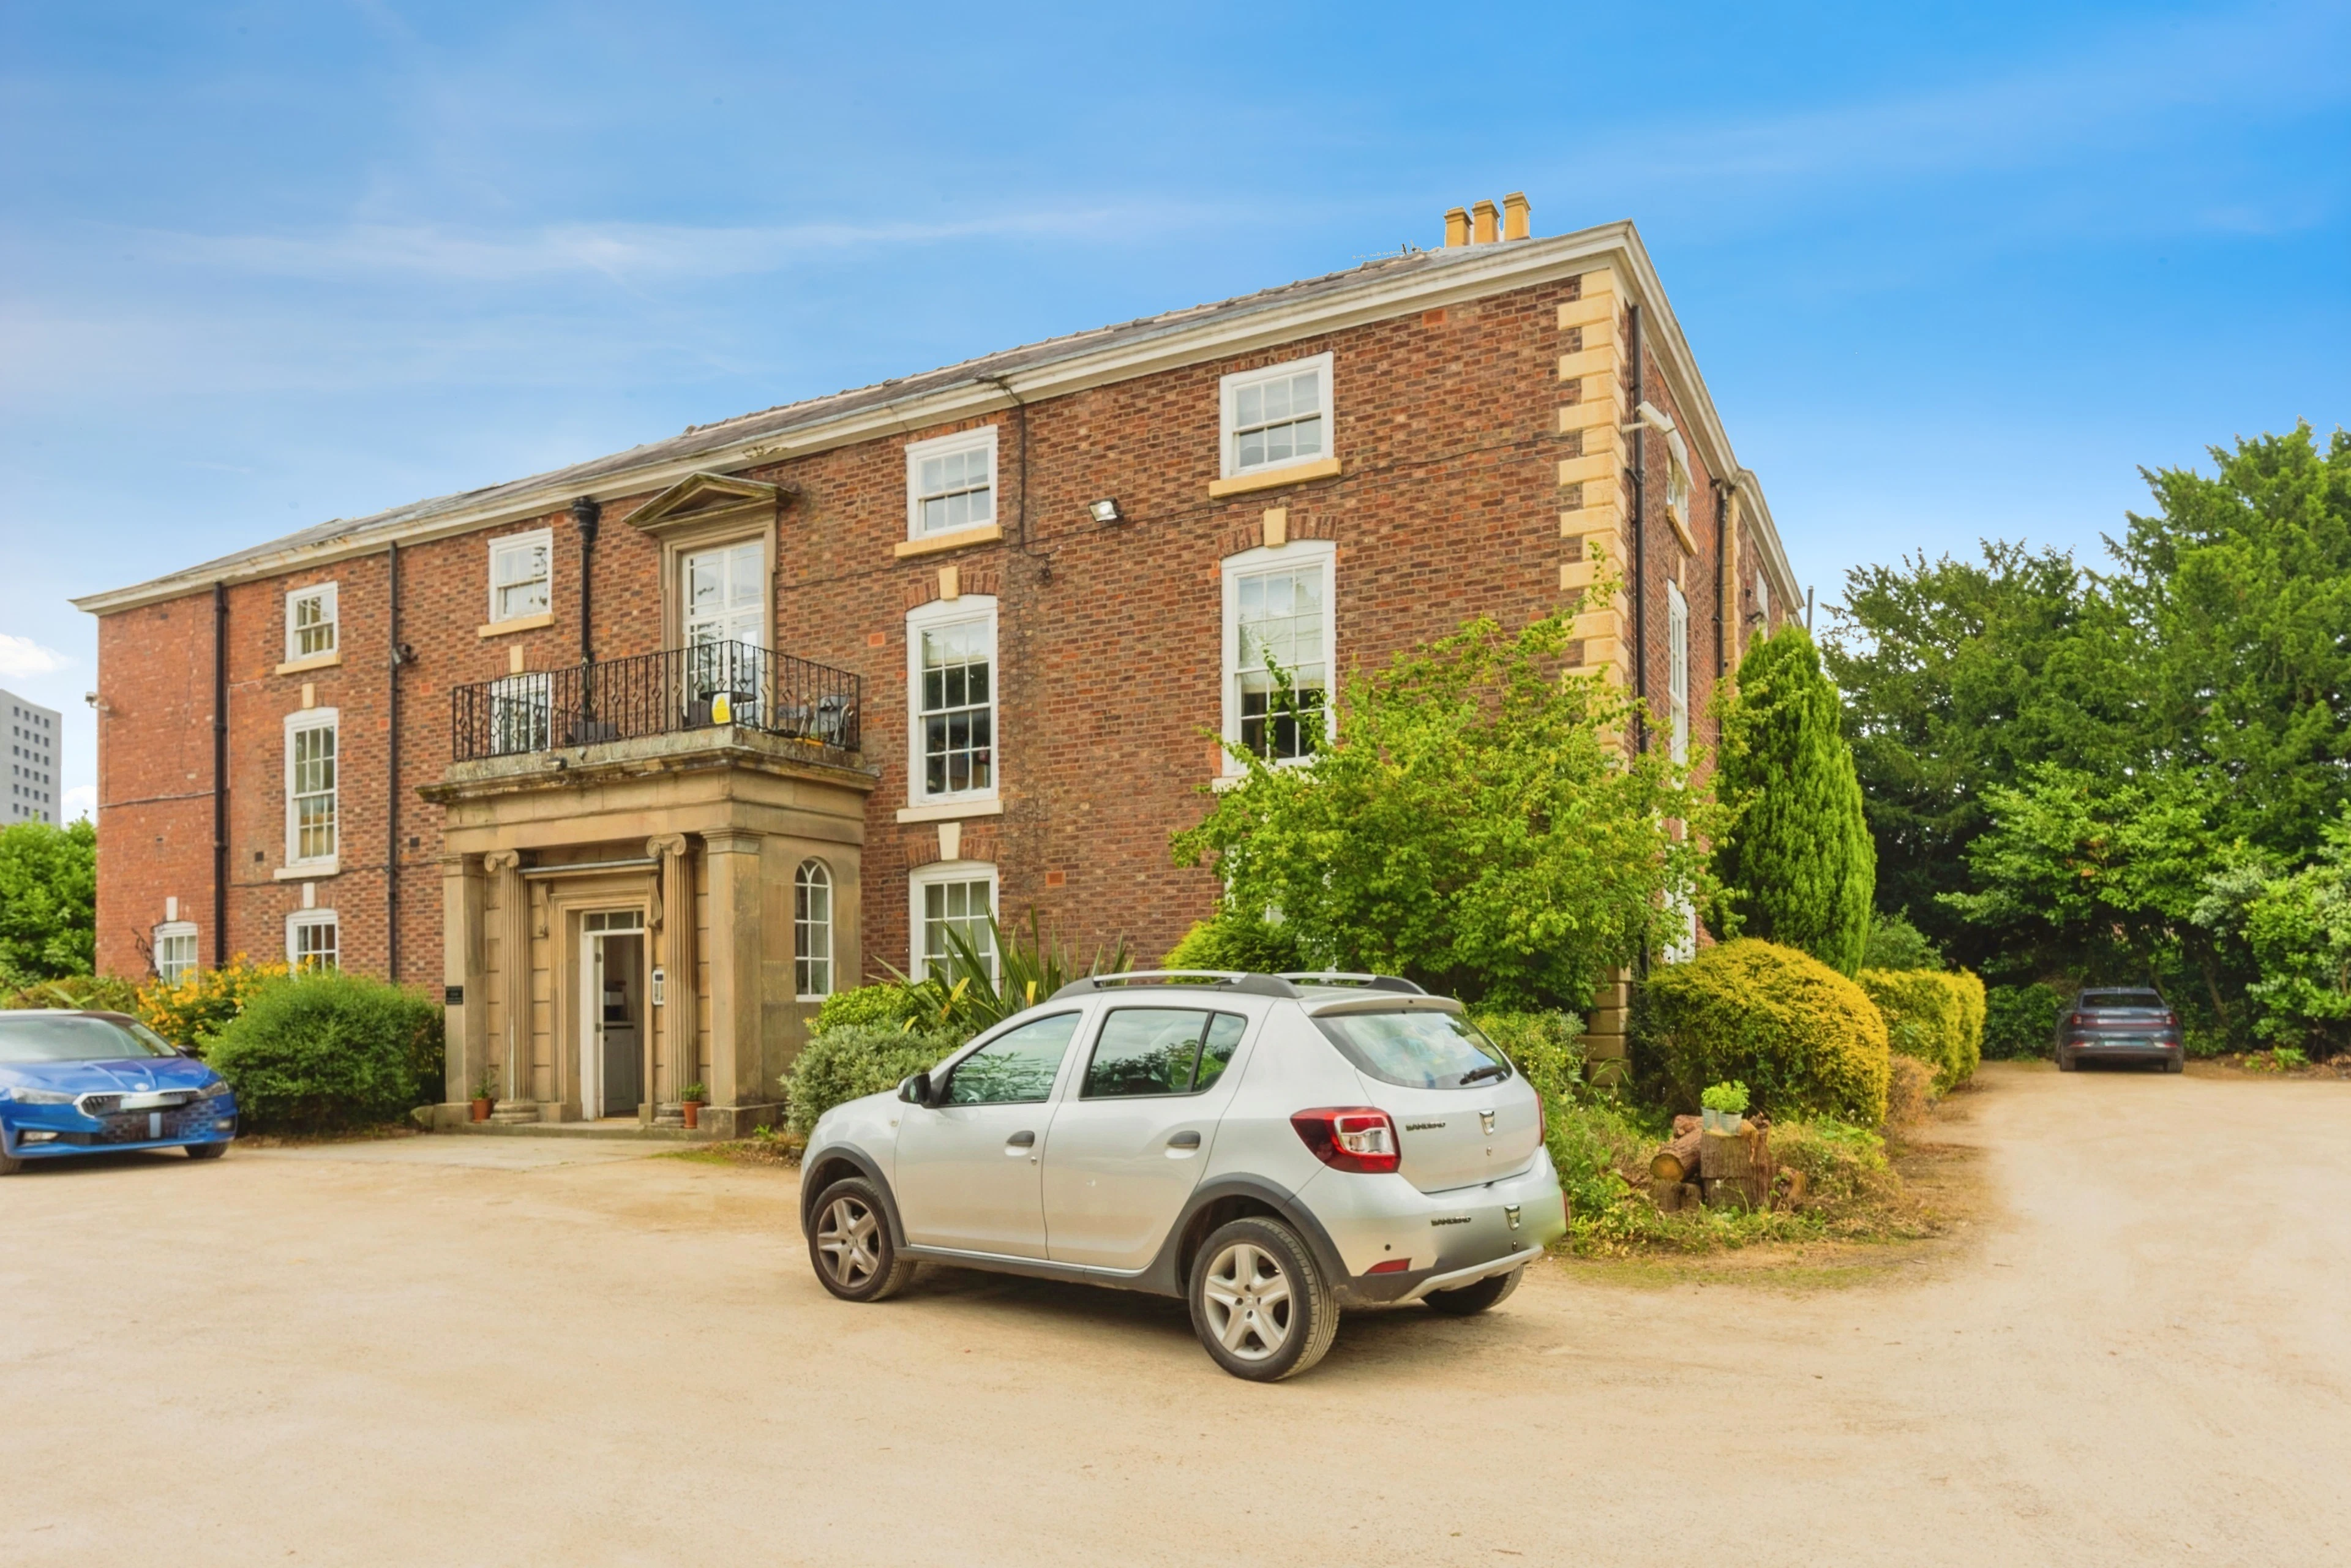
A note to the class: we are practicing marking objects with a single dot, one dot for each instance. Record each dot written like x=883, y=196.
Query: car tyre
x=850, y=1243
x=10, y=1164
x=1477, y=1296
x=207, y=1150
x=1260, y=1306
x=2064, y=1063
x=2176, y=1063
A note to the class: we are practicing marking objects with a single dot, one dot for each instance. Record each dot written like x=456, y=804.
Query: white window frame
x=939, y=613
x=301, y=919
x=298, y=722
x=510, y=544
x=1228, y=390
x=1281, y=558
x=1678, y=668
x=931, y=875
x=177, y=931
x=327, y=593
x=762, y=585
x=980, y=440
x=805, y=926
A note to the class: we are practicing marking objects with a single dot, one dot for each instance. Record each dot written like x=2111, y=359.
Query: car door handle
x=1184, y=1141
x=1019, y=1142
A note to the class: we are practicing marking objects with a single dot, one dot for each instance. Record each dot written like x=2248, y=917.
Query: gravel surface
x=428, y=1353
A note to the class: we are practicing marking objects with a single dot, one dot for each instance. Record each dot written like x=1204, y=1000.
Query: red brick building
x=840, y=675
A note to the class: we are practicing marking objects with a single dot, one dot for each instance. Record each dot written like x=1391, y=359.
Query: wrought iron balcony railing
x=709, y=685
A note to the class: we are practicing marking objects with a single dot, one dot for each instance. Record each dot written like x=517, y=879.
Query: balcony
x=709, y=687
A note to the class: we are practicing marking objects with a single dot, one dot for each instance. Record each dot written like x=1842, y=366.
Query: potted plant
x=1723, y=1106
x=691, y=1100
x=485, y=1093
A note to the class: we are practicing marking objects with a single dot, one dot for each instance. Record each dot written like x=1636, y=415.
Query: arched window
x=812, y=930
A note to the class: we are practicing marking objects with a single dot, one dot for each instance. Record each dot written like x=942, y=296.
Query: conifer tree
x=1799, y=867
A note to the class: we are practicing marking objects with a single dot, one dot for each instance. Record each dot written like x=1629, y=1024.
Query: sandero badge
x=78, y=1083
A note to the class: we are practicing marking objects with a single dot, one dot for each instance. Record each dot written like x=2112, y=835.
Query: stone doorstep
x=580, y=1130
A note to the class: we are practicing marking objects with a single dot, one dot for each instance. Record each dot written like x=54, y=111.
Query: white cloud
x=21, y=657
x=81, y=801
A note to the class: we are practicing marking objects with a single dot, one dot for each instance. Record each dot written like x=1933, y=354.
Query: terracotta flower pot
x=693, y=1109
x=482, y=1109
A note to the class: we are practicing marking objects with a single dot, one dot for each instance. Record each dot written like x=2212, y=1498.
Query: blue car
x=91, y=1082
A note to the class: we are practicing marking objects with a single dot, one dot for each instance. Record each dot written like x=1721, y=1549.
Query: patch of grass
x=765, y=1147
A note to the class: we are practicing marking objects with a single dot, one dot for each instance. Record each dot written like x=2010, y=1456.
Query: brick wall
x=1108, y=636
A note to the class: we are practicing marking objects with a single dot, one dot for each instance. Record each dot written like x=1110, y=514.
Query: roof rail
x=1229, y=979
x=1347, y=977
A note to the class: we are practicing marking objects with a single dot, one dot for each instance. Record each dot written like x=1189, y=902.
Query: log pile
x=1722, y=1169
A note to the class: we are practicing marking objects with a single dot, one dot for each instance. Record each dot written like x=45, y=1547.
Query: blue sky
x=1951, y=270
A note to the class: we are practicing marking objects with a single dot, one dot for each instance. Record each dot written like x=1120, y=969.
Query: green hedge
x=1801, y=1037
x=323, y=1052
x=885, y=1004
x=1931, y=1015
x=2021, y=1020
x=850, y=1061
x=1546, y=1047
x=1843, y=1165
x=1227, y=941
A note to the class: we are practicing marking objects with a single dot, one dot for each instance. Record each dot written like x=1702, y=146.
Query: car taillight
x=2075, y=1020
x=1351, y=1138
x=2171, y=1020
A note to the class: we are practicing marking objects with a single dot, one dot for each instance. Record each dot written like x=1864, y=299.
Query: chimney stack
x=1516, y=216
x=1457, y=228
x=1484, y=216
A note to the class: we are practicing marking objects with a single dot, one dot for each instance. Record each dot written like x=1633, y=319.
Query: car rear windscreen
x=2120, y=999
x=1419, y=1049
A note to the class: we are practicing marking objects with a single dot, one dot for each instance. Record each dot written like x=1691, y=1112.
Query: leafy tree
x=49, y=902
x=1798, y=868
x=1895, y=944
x=2298, y=929
x=1957, y=676
x=1474, y=823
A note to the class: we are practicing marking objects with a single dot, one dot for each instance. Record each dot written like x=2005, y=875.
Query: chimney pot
x=1457, y=228
x=1485, y=220
x=1517, y=216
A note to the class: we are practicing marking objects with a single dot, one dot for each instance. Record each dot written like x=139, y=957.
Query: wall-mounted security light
x=1651, y=416
x=1106, y=511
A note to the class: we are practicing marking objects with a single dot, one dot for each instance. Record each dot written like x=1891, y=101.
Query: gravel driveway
x=459, y=1351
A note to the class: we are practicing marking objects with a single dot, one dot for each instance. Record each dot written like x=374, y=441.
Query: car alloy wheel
x=850, y=1244
x=1260, y=1304
x=1248, y=1301
x=848, y=1240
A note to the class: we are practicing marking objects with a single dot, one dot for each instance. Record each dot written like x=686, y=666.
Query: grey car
x=1274, y=1149
x=2121, y=1023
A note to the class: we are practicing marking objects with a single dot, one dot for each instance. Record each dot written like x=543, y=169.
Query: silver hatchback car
x=1271, y=1148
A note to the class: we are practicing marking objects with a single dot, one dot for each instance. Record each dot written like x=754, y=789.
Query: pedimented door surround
x=702, y=832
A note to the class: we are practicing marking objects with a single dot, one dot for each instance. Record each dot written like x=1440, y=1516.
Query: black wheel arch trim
x=866, y=1166
x=1165, y=1274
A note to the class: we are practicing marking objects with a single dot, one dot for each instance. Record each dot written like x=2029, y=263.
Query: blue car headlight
x=218, y=1089
x=36, y=1096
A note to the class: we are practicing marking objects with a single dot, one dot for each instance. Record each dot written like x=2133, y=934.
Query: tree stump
x=1735, y=1168
x=1667, y=1194
x=1678, y=1161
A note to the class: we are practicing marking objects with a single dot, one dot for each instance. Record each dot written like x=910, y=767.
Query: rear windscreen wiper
x=1494, y=1069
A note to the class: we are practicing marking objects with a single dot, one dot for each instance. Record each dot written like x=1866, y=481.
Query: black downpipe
x=1640, y=543
x=220, y=775
x=391, y=796
x=589, y=514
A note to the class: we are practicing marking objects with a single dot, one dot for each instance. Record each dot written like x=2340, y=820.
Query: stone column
x=737, y=895
x=467, y=1020
x=515, y=1104
x=671, y=929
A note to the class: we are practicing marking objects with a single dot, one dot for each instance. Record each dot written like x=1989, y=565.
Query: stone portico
x=692, y=838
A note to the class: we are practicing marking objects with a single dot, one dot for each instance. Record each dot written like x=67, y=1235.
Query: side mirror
x=916, y=1090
